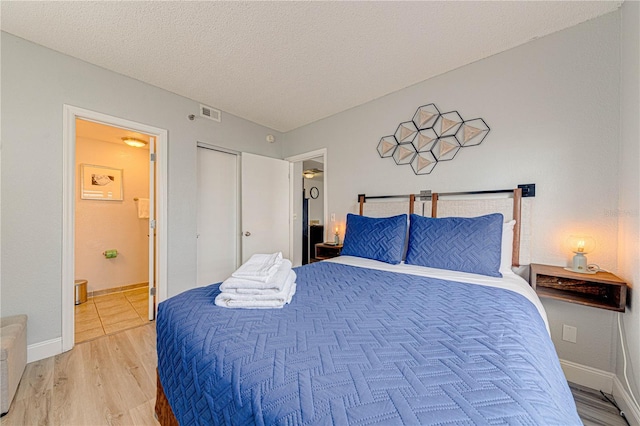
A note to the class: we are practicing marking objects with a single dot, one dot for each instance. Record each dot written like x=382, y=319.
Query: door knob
x=247, y=234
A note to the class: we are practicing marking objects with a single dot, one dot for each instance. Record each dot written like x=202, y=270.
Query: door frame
x=238, y=154
x=70, y=113
x=322, y=152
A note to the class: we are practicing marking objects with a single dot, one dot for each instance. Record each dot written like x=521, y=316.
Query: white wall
x=553, y=108
x=36, y=82
x=629, y=206
x=103, y=225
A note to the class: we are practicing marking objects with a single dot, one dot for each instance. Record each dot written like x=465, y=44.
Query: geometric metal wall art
x=430, y=137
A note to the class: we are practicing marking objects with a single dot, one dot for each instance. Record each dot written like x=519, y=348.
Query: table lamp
x=580, y=245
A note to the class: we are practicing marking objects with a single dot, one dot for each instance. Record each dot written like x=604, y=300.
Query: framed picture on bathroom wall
x=100, y=183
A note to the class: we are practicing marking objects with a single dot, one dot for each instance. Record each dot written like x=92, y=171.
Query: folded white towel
x=276, y=282
x=254, y=304
x=266, y=291
x=143, y=208
x=260, y=267
x=229, y=300
x=262, y=294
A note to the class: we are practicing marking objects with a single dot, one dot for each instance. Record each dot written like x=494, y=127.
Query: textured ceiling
x=286, y=64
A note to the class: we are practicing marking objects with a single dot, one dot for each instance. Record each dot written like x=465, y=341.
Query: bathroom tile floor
x=110, y=313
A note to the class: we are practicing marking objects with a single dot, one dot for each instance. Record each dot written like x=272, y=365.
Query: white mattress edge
x=509, y=281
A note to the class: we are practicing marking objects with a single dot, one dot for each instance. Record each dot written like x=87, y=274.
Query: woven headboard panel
x=384, y=209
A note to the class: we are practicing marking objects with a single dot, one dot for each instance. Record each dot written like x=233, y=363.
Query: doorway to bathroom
x=112, y=238
x=102, y=181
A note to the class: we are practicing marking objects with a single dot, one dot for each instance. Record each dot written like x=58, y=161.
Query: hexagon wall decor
x=425, y=140
x=423, y=163
x=406, y=132
x=387, y=145
x=472, y=132
x=426, y=116
x=448, y=123
x=430, y=137
x=445, y=148
x=404, y=153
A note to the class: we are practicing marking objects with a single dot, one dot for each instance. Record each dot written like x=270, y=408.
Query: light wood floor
x=111, y=313
x=111, y=380
x=107, y=381
x=594, y=409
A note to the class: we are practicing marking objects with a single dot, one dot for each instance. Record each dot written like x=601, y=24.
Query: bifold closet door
x=218, y=231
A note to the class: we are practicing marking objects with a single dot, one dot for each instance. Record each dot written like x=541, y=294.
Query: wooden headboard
x=447, y=200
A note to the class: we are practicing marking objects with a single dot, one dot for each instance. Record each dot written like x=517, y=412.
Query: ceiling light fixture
x=137, y=143
x=308, y=175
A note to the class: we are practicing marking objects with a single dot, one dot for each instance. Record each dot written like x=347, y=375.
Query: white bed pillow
x=506, y=251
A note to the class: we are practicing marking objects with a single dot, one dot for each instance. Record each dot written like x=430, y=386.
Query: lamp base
x=584, y=271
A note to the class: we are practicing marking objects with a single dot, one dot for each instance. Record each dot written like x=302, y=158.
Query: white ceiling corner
x=287, y=64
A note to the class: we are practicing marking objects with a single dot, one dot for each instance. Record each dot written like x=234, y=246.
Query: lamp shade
x=581, y=243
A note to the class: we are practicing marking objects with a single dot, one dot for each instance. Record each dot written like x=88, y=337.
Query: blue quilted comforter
x=360, y=346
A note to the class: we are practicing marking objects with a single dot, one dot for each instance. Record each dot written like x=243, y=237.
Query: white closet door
x=218, y=231
x=265, y=205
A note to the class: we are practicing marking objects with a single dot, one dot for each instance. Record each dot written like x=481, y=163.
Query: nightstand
x=327, y=251
x=601, y=290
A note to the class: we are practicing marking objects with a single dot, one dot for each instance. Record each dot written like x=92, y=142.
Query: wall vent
x=210, y=113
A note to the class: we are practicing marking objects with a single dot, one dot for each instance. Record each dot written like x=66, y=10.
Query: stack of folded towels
x=264, y=281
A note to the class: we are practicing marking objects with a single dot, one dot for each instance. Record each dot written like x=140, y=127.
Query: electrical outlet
x=569, y=333
x=295, y=216
x=333, y=217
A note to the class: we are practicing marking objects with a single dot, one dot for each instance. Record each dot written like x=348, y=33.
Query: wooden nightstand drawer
x=602, y=290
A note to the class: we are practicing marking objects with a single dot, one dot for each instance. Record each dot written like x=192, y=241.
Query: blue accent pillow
x=457, y=243
x=375, y=238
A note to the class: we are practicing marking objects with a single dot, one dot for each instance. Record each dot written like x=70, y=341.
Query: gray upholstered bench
x=13, y=357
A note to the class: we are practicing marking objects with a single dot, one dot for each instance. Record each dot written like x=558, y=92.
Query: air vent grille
x=210, y=113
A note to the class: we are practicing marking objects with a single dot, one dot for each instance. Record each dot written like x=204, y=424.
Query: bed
x=365, y=341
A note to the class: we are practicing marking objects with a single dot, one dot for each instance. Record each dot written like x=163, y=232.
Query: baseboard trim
x=624, y=401
x=604, y=381
x=42, y=350
x=117, y=289
x=588, y=376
